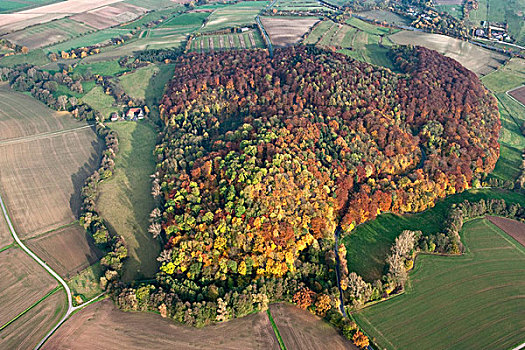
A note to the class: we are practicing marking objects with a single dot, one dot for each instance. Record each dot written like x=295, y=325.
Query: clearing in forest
x=472, y=301
x=125, y=200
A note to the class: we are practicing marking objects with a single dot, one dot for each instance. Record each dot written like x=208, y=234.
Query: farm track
x=70, y=308
x=42, y=135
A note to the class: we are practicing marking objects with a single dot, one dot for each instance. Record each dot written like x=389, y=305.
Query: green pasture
x=125, y=200
x=474, y=301
x=368, y=244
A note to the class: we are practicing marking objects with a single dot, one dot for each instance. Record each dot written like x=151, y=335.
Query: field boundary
x=51, y=292
x=276, y=330
x=512, y=97
x=42, y=135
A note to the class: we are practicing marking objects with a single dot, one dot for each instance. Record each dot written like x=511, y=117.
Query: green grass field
x=359, y=40
x=369, y=244
x=386, y=16
x=103, y=68
x=87, y=282
x=237, y=15
x=474, y=301
x=300, y=5
x=512, y=141
x=9, y=6
x=35, y=57
x=136, y=84
x=99, y=101
x=153, y=16
x=453, y=10
x=88, y=39
x=125, y=200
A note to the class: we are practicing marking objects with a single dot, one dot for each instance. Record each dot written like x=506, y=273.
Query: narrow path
x=42, y=135
x=70, y=308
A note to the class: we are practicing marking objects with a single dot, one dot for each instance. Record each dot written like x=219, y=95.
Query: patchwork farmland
x=48, y=33
x=238, y=15
x=469, y=302
x=247, y=40
x=23, y=283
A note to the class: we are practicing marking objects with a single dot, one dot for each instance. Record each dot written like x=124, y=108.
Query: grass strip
x=53, y=291
x=6, y=247
x=276, y=330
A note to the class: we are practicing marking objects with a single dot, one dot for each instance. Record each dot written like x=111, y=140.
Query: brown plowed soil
x=513, y=228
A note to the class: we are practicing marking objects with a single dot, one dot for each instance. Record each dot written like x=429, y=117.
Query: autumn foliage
x=263, y=157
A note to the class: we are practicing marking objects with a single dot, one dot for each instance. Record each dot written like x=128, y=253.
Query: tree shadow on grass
x=134, y=188
x=79, y=177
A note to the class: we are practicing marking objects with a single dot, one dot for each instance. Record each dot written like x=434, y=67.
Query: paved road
x=70, y=308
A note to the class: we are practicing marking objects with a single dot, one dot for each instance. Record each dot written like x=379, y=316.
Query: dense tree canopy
x=263, y=157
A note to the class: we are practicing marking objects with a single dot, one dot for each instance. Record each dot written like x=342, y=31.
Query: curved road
x=70, y=308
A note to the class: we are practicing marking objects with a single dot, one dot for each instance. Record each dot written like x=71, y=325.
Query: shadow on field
x=155, y=90
x=79, y=177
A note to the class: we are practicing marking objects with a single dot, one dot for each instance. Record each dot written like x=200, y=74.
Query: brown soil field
x=41, y=178
x=22, y=116
x=68, y=251
x=48, y=34
x=479, y=60
x=300, y=329
x=30, y=328
x=5, y=235
x=519, y=94
x=103, y=326
x=109, y=16
x=23, y=283
x=513, y=228
x=287, y=31
x=44, y=14
x=96, y=21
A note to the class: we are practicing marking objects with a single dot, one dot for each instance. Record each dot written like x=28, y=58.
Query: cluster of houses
x=133, y=114
x=489, y=30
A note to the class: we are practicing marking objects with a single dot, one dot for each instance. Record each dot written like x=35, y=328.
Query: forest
x=263, y=160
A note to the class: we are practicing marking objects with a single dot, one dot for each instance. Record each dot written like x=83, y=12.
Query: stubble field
x=472, y=301
x=480, y=61
x=300, y=329
x=68, y=251
x=21, y=116
x=5, y=235
x=41, y=178
x=26, y=331
x=23, y=282
x=287, y=31
x=103, y=326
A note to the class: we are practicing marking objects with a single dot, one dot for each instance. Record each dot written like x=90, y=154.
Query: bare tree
x=155, y=229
